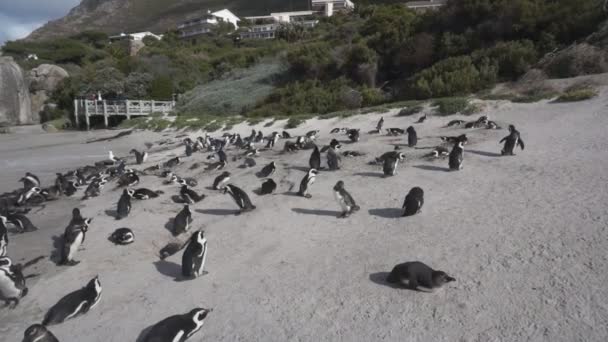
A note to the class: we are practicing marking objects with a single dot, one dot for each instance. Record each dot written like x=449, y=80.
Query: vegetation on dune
x=577, y=94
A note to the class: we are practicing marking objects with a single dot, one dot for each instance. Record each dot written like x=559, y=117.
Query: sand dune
x=525, y=237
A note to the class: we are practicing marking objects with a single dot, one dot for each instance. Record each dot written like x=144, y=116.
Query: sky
x=20, y=17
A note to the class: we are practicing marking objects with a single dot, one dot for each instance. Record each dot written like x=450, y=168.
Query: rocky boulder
x=43, y=81
x=15, y=103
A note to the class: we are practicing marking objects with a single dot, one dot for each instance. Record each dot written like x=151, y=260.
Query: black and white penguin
x=74, y=304
x=380, y=124
x=259, y=137
x=30, y=181
x=38, y=333
x=221, y=180
x=390, y=163
x=78, y=219
x=333, y=159
x=122, y=236
x=267, y=170
x=189, y=149
x=315, y=159
x=412, y=137
x=422, y=119
x=144, y=194
x=511, y=141
x=190, y=196
x=123, y=207
x=73, y=238
x=437, y=152
x=345, y=200
x=290, y=147
x=335, y=144
x=413, y=202
x=286, y=135
x=240, y=197
x=418, y=276
x=457, y=157
x=455, y=139
x=395, y=131
x=12, y=282
x=221, y=155
x=195, y=255
x=3, y=236
x=268, y=187
x=113, y=159
x=455, y=123
x=182, y=221
x=128, y=179
x=94, y=188
x=26, y=195
x=140, y=157
x=353, y=135
x=177, y=328
x=173, y=162
x=492, y=125
x=307, y=182
x=21, y=222
x=273, y=140
x=334, y=131
x=312, y=135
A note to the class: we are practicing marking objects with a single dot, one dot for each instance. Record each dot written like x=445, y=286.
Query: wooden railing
x=128, y=108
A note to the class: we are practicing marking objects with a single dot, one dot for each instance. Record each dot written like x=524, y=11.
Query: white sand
x=525, y=237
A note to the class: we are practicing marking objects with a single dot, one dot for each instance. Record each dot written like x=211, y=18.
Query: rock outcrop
x=43, y=81
x=15, y=102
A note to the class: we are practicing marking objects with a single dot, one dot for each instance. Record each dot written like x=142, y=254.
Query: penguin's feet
x=204, y=273
x=308, y=196
x=72, y=263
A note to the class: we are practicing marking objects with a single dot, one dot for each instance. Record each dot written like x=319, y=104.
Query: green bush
x=513, y=58
x=580, y=94
x=453, y=105
x=293, y=123
x=407, y=111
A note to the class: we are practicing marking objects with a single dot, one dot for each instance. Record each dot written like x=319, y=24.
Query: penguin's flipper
x=521, y=144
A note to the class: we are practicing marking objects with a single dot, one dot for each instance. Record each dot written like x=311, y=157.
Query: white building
x=205, y=24
x=134, y=36
x=265, y=27
x=328, y=7
x=425, y=4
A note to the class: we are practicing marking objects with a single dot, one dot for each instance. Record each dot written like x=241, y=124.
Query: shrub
x=407, y=111
x=212, y=127
x=472, y=108
x=372, y=96
x=513, y=58
x=293, y=123
x=577, y=94
x=453, y=105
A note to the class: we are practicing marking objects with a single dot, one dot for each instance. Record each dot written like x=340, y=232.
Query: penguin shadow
x=112, y=213
x=299, y=168
x=432, y=168
x=55, y=256
x=169, y=225
x=218, y=212
x=291, y=193
x=177, y=199
x=380, y=279
x=170, y=269
x=317, y=212
x=144, y=333
x=484, y=153
x=369, y=174
x=386, y=212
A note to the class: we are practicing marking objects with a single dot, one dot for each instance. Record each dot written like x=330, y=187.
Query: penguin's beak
x=449, y=279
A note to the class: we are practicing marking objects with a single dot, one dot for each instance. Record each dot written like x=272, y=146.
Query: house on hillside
x=206, y=23
x=328, y=7
x=134, y=36
x=265, y=27
x=132, y=42
x=425, y=5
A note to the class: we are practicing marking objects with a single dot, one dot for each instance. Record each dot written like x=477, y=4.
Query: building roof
x=427, y=3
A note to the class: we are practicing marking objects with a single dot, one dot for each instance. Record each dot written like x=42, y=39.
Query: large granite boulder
x=43, y=81
x=15, y=103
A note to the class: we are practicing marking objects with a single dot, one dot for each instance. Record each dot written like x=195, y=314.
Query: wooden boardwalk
x=127, y=108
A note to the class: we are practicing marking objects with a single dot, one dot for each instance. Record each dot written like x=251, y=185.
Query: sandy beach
x=526, y=237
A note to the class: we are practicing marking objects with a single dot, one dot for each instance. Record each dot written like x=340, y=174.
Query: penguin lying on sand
x=418, y=276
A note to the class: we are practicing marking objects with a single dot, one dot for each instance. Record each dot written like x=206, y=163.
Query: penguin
x=334, y=131
x=221, y=180
x=94, y=188
x=395, y=131
x=306, y=182
x=182, y=221
x=73, y=238
x=123, y=207
x=27, y=195
x=492, y=125
x=12, y=282
x=345, y=200
x=193, y=259
x=140, y=157
x=240, y=197
x=422, y=119
x=455, y=123
x=172, y=162
x=437, y=152
x=128, y=179
x=380, y=124
x=412, y=137
x=389, y=166
x=190, y=196
x=3, y=236
x=454, y=140
x=189, y=150
x=267, y=170
x=353, y=135
x=38, y=333
x=312, y=135
x=290, y=146
x=112, y=158
x=413, y=202
x=286, y=135
x=74, y=304
x=21, y=222
x=178, y=328
x=77, y=219
x=144, y=194
x=456, y=157
x=333, y=159
x=335, y=144
x=222, y=156
x=315, y=159
x=418, y=276
x=268, y=187
x=511, y=141
x=122, y=236
x=259, y=137
x=30, y=181
x=273, y=140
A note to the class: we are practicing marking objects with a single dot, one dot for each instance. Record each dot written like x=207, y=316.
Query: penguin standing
x=380, y=124
x=412, y=137
x=273, y=140
x=74, y=304
x=286, y=135
x=457, y=156
x=190, y=196
x=189, y=149
x=345, y=200
x=390, y=163
x=333, y=159
x=73, y=238
x=12, y=282
x=177, y=328
x=422, y=119
x=124, y=204
x=511, y=141
x=418, y=276
x=122, y=236
x=3, y=236
x=172, y=162
x=267, y=170
x=140, y=157
x=30, y=181
x=221, y=180
x=353, y=135
x=182, y=221
x=413, y=202
x=315, y=159
x=306, y=182
x=38, y=333
x=240, y=197
x=193, y=259
x=268, y=187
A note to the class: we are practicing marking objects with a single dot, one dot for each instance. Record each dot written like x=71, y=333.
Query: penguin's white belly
x=78, y=309
x=74, y=246
x=7, y=287
x=178, y=336
x=341, y=202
